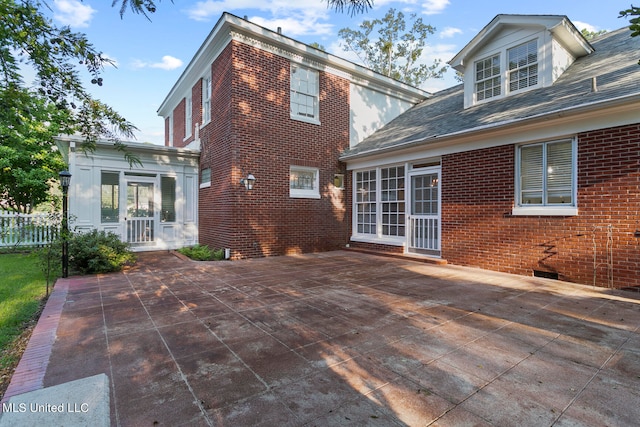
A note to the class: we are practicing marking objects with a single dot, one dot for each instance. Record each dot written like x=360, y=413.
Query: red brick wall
x=178, y=124
x=251, y=132
x=479, y=230
x=217, y=202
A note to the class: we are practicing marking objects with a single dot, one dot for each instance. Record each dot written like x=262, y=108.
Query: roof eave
x=542, y=117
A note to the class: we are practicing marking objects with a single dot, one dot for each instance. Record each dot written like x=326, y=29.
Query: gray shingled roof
x=614, y=63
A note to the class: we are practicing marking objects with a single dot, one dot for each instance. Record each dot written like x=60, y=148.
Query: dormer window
x=488, y=81
x=523, y=66
x=517, y=53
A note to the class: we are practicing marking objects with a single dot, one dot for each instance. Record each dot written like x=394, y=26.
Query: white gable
x=516, y=53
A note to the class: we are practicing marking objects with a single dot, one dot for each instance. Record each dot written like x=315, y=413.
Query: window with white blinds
x=546, y=174
x=523, y=65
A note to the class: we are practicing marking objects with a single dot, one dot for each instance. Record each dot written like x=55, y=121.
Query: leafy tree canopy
x=634, y=14
x=385, y=46
x=30, y=39
x=32, y=113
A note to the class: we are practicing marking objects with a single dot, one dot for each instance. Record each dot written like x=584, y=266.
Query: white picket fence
x=28, y=230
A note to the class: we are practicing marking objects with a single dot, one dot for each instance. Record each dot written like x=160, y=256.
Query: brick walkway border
x=29, y=374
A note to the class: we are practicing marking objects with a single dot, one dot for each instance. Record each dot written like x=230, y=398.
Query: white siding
x=370, y=110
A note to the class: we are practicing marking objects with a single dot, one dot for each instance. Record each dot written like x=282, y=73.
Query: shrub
x=202, y=253
x=98, y=252
x=89, y=253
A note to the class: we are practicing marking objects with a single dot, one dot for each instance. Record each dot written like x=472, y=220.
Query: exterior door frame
x=140, y=232
x=423, y=225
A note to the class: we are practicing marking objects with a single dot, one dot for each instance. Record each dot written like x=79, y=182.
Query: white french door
x=141, y=215
x=424, y=218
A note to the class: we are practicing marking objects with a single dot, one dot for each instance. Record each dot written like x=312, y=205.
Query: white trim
x=544, y=211
x=552, y=209
x=378, y=240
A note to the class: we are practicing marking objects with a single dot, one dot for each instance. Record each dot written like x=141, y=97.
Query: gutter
x=583, y=108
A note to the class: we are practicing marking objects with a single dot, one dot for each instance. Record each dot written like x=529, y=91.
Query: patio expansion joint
x=183, y=377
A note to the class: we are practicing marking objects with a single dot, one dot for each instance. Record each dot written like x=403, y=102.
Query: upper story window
x=488, y=78
x=206, y=100
x=494, y=78
x=546, y=183
x=523, y=66
x=188, y=116
x=304, y=94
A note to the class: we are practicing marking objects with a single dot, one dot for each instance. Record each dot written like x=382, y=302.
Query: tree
x=634, y=13
x=29, y=39
x=144, y=7
x=394, y=52
x=28, y=165
x=592, y=34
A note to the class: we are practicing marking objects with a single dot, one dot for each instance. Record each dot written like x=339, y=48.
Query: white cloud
x=73, y=13
x=584, y=26
x=449, y=32
x=295, y=27
x=295, y=18
x=168, y=63
x=433, y=7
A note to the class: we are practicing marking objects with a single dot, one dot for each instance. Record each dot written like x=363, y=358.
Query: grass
x=22, y=291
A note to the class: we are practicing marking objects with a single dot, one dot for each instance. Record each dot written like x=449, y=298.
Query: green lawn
x=22, y=288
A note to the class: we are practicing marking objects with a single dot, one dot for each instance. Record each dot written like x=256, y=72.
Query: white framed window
x=366, y=196
x=304, y=94
x=523, y=66
x=392, y=219
x=109, y=196
x=170, y=130
x=546, y=178
x=206, y=100
x=205, y=177
x=188, y=116
x=488, y=78
x=304, y=182
x=380, y=203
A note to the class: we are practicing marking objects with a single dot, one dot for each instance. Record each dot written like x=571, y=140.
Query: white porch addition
x=151, y=207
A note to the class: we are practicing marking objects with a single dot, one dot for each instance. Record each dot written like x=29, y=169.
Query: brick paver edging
x=29, y=374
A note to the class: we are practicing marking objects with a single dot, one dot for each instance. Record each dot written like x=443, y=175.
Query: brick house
x=530, y=166
x=258, y=103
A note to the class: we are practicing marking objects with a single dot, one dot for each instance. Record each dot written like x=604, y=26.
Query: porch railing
x=140, y=230
x=18, y=229
x=424, y=233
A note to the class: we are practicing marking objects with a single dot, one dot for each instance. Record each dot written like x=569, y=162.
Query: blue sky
x=151, y=55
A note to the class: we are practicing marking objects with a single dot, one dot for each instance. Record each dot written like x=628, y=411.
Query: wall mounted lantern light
x=248, y=181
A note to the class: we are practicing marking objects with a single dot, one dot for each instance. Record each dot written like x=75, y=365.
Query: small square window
x=303, y=182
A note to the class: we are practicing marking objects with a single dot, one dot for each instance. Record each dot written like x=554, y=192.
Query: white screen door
x=140, y=212
x=424, y=220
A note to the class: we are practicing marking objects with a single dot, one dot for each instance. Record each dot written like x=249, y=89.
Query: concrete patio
x=341, y=338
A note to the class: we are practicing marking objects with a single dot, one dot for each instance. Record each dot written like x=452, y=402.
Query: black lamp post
x=65, y=181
